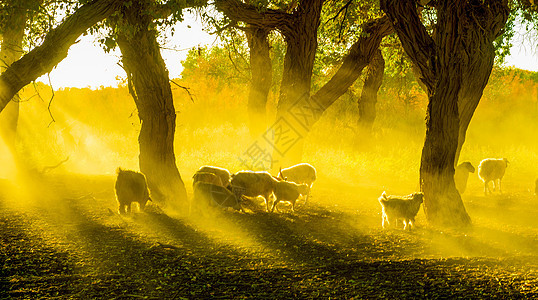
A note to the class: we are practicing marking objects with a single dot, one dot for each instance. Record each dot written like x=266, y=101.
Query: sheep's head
x=419, y=197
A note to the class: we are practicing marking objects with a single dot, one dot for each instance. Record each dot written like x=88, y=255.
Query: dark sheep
x=131, y=187
x=208, y=194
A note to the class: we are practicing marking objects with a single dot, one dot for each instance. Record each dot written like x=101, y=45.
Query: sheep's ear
x=280, y=173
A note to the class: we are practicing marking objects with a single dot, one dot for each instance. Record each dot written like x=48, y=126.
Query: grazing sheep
x=288, y=191
x=222, y=173
x=492, y=169
x=253, y=184
x=131, y=187
x=206, y=177
x=209, y=194
x=403, y=208
x=300, y=173
x=462, y=174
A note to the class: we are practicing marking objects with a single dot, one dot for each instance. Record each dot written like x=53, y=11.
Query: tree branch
x=359, y=56
x=413, y=35
x=242, y=12
x=54, y=48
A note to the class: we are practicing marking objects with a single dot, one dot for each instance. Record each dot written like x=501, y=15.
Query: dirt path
x=66, y=241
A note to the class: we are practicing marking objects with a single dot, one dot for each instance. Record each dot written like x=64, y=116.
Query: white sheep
x=253, y=184
x=302, y=173
x=289, y=192
x=403, y=208
x=220, y=172
x=206, y=177
x=461, y=175
x=492, y=169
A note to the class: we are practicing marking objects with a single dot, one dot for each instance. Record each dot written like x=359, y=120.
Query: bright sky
x=87, y=65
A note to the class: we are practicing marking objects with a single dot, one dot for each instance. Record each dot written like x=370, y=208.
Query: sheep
x=253, y=184
x=288, y=191
x=131, y=187
x=492, y=169
x=300, y=173
x=206, y=177
x=210, y=194
x=403, y=208
x=220, y=172
x=462, y=174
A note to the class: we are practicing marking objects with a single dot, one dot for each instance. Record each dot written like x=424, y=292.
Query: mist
x=59, y=210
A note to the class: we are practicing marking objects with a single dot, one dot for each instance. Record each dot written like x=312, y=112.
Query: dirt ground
x=67, y=241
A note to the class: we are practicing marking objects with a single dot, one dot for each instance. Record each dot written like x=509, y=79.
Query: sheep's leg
x=129, y=208
x=486, y=188
x=500, y=189
x=267, y=199
x=121, y=209
x=383, y=217
x=274, y=205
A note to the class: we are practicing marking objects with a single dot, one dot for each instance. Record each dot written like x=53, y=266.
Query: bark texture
x=11, y=51
x=262, y=75
x=447, y=61
x=368, y=99
x=299, y=28
x=54, y=48
x=150, y=88
x=359, y=56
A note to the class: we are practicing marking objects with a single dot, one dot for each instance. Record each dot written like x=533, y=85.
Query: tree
x=368, y=99
x=262, y=77
x=136, y=36
x=460, y=48
x=299, y=28
x=43, y=58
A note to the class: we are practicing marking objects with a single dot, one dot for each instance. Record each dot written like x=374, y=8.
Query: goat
x=403, y=208
x=492, y=169
x=288, y=191
x=210, y=194
x=461, y=175
x=131, y=187
x=302, y=173
x=253, y=184
x=206, y=177
x=222, y=173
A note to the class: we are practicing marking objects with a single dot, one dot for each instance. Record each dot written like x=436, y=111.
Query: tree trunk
x=449, y=63
x=11, y=51
x=359, y=56
x=368, y=100
x=152, y=93
x=54, y=48
x=262, y=75
x=292, y=125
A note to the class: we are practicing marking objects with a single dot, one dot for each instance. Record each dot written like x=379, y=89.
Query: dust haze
x=58, y=192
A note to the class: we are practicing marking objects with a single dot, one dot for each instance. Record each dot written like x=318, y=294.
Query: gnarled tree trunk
x=368, y=100
x=11, y=51
x=150, y=88
x=262, y=75
x=359, y=56
x=447, y=62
